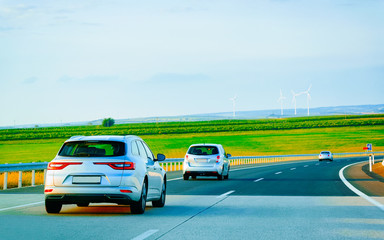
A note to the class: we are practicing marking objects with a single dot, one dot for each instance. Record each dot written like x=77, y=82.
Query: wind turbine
x=308, y=96
x=234, y=104
x=294, y=98
x=281, y=101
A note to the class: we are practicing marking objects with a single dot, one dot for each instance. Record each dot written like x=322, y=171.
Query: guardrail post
x=33, y=177
x=20, y=184
x=45, y=175
x=5, y=180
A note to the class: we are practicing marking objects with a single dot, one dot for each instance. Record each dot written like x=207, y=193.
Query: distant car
x=113, y=169
x=206, y=160
x=325, y=155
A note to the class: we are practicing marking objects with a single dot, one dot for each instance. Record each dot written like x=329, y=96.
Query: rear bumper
x=88, y=198
x=203, y=171
x=73, y=195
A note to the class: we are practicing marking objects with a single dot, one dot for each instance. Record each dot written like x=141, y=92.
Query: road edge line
x=146, y=234
x=355, y=190
x=20, y=206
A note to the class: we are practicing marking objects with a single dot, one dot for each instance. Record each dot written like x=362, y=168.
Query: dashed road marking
x=146, y=234
x=258, y=180
x=278, y=173
x=174, y=179
x=293, y=168
x=225, y=194
x=305, y=165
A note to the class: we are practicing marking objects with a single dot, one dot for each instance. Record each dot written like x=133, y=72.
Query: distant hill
x=274, y=113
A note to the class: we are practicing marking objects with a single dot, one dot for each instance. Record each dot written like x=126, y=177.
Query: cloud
x=89, y=79
x=178, y=78
x=30, y=80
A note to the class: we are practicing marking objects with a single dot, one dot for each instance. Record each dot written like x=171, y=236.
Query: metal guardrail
x=176, y=164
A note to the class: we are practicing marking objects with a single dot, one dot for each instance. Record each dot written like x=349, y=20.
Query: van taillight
x=61, y=165
x=118, y=165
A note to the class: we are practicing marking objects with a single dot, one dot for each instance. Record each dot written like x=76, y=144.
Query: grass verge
x=378, y=168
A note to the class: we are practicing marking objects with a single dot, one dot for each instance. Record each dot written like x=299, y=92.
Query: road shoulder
x=368, y=184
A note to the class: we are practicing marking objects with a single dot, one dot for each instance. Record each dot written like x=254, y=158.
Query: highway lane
x=297, y=200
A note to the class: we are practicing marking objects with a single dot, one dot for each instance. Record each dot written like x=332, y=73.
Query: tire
x=185, y=176
x=220, y=177
x=139, y=207
x=53, y=206
x=86, y=204
x=193, y=177
x=161, y=201
x=227, y=176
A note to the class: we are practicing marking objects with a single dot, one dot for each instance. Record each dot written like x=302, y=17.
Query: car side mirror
x=160, y=157
x=229, y=155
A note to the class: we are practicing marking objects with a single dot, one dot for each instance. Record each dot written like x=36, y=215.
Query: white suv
x=206, y=160
x=114, y=169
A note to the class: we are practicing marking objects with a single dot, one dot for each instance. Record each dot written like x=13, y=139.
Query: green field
x=239, y=137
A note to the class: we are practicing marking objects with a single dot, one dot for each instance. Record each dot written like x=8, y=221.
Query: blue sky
x=64, y=61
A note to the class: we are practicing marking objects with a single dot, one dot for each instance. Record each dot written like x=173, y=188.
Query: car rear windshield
x=325, y=152
x=93, y=149
x=203, y=150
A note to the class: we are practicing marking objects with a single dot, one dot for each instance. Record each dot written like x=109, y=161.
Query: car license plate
x=201, y=160
x=86, y=179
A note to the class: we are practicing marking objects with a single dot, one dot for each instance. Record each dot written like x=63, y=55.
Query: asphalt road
x=298, y=200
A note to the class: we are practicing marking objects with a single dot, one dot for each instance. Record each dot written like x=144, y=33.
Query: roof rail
x=76, y=136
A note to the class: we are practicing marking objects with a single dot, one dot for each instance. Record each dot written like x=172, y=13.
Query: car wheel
x=220, y=177
x=86, y=204
x=53, y=206
x=161, y=201
x=185, y=176
x=139, y=207
x=227, y=176
x=193, y=177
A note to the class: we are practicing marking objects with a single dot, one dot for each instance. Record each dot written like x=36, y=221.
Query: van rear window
x=93, y=149
x=203, y=150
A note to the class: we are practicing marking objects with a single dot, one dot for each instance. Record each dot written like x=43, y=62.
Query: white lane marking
x=173, y=179
x=306, y=166
x=293, y=168
x=278, y=173
x=225, y=194
x=146, y=234
x=258, y=180
x=245, y=168
x=20, y=206
x=317, y=163
x=355, y=190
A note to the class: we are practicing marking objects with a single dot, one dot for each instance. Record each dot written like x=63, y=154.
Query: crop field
x=239, y=137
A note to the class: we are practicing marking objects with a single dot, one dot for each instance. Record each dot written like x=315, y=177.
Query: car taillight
x=48, y=190
x=61, y=165
x=186, y=157
x=125, y=191
x=118, y=165
x=218, y=158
